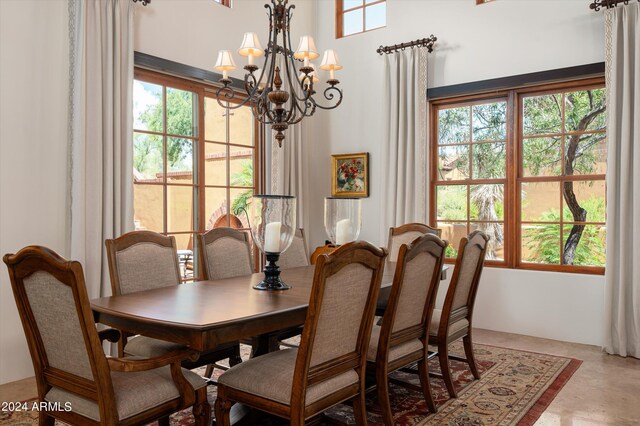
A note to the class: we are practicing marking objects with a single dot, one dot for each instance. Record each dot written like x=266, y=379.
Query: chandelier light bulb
x=306, y=50
x=330, y=62
x=251, y=47
x=225, y=63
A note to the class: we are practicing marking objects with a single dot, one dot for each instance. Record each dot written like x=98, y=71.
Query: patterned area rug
x=515, y=388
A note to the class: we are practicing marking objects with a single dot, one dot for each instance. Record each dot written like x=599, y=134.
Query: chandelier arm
x=292, y=61
x=329, y=95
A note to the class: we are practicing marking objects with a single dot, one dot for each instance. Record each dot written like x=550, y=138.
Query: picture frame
x=350, y=175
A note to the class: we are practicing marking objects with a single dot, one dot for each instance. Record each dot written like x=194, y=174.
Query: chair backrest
x=405, y=234
x=339, y=320
x=54, y=308
x=460, y=298
x=413, y=294
x=142, y=260
x=224, y=253
x=296, y=255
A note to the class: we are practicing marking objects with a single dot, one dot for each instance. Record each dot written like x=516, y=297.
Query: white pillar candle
x=342, y=231
x=272, y=237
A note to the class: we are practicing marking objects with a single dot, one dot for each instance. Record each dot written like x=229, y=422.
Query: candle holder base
x=272, y=280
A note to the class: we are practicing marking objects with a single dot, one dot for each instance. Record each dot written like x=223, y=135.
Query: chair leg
x=382, y=386
x=223, y=410
x=209, y=371
x=468, y=351
x=45, y=420
x=360, y=409
x=443, y=356
x=423, y=373
x=202, y=408
x=163, y=421
x=235, y=359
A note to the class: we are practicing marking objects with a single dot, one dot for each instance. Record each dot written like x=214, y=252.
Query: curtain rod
x=144, y=2
x=424, y=42
x=608, y=4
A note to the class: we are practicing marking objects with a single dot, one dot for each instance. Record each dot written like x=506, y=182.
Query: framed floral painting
x=350, y=176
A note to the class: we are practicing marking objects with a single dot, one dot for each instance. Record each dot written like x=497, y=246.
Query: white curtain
x=622, y=290
x=289, y=169
x=404, y=176
x=100, y=132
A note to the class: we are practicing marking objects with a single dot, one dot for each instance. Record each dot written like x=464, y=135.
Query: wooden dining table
x=206, y=314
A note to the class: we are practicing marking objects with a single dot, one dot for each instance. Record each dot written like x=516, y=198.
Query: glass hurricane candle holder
x=273, y=224
x=342, y=219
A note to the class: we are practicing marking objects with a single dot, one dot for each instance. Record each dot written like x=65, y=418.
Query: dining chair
x=225, y=253
x=296, y=255
x=403, y=336
x=71, y=369
x=145, y=260
x=454, y=320
x=329, y=366
x=404, y=234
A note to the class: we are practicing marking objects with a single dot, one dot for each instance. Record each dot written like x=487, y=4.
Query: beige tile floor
x=604, y=391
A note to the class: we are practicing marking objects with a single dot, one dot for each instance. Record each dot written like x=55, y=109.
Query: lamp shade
x=330, y=61
x=306, y=49
x=225, y=61
x=251, y=45
x=313, y=75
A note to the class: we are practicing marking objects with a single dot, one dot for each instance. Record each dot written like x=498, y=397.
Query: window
x=358, y=16
x=194, y=162
x=527, y=167
x=224, y=2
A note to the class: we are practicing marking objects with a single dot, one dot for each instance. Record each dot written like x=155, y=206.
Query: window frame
x=226, y=3
x=340, y=17
x=199, y=185
x=512, y=247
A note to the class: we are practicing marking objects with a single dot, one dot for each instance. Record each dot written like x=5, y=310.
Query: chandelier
x=283, y=92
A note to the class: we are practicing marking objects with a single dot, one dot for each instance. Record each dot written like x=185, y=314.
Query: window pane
x=452, y=232
x=148, y=205
x=215, y=164
x=585, y=110
x=453, y=163
x=451, y=202
x=489, y=160
x=376, y=16
x=147, y=157
x=542, y=115
x=586, y=153
x=487, y=202
x=181, y=119
x=215, y=208
x=454, y=125
x=540, y=201
x=587, y=198
x=352, y=22
x=215, y=121
x=542, y=156
x=241, y=126
x=179, y=208
x=147, y=107
x=241, y=167
x=490, y=122
x=370, y=1
x=541, y=243
x=240, y=199
x=495, y=232
x=350, y=4
x=180, y=160
x=586, y=246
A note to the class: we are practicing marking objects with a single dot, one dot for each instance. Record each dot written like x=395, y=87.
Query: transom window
x=527, y=167
x=358, y=16
x=224, y=2
x=194, y=162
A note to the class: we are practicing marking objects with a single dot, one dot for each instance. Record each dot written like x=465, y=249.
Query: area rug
x=515, y=388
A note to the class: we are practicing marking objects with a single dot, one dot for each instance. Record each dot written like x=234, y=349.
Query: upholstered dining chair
x=70, y=366
x=404, y=234
x=454, y=321
x=329, y=365
x=145, y=260
x=403, y=337
x=225, y=253
x=296, y=255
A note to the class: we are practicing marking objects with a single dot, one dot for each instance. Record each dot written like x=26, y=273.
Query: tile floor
x=604, y=391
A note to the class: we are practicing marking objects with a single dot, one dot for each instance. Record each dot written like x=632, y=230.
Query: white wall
x=502, y=38
x=33, y=155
